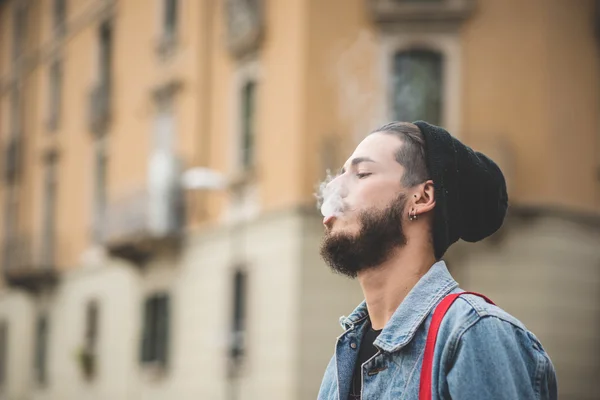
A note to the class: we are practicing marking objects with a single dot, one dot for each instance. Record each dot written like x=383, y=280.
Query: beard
x=380, y=233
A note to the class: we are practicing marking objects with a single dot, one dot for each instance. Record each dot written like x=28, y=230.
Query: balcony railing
x=141, y=222
x=396, y=11
x=29, y=264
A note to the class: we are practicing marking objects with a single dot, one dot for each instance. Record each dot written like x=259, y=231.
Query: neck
x=386, y=286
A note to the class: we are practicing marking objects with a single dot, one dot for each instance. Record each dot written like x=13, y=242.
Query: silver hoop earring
x=413, y=216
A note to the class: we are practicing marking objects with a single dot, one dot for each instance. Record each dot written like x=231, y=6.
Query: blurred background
x=159, y=160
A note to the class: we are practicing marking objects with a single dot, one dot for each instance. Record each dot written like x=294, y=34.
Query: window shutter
x=248, y=123
x=162, y=332
x=170, y=16
x=145, y=351
x=40, y=349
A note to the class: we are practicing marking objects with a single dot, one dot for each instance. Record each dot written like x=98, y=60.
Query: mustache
x=333, y=206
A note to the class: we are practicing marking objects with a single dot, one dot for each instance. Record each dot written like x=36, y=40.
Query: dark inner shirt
x=365, y=352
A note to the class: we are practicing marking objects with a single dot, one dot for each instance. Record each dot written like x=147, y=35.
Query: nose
x=337, y=186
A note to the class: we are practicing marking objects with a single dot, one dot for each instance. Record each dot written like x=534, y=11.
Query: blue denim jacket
x=481, y=352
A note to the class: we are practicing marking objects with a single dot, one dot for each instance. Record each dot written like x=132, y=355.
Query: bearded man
x=408, y=192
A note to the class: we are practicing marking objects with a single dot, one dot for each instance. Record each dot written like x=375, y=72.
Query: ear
x=424, y=198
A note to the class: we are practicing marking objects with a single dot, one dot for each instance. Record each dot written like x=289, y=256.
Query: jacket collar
x=411, y=313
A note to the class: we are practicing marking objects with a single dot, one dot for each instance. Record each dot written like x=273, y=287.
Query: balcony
x=143, y=222
x=99, y=109
x=398, y=11
x=28, y=264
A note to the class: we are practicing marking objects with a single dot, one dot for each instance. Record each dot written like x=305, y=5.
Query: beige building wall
x=294, y=305
x=324, y=298
x=530, y=98
x=138, y=71
x=18, y=310
x=348, y=63
x=544, y=271
x=520, y=84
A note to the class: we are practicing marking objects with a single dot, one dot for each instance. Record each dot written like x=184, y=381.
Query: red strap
x=436, y=321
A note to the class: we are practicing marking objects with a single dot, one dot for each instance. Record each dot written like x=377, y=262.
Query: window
x=16, y=107
x=100, y=95
x=19, y=21
x=155, y=339
x=248, y=123
x=239, y=315
x=87, y=354
x=3, y=351
x=41, y=348
x=105, y=52
x=91, y=326
x=245, y=93
x=164, y=125
x=54, y=98
x=418, y=86
x=100, y=172
x=11, y=208
x=170, y=18
x=59, y=12
x=163, y=214
x=49, y=207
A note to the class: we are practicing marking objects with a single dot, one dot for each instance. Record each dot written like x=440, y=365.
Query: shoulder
x=483, y=349
x=473, y=326
x=471, y=309
x=486, y=325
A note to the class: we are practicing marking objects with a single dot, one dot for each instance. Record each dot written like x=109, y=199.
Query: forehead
x=380, y=147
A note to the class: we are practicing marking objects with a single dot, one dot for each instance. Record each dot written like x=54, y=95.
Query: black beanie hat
x=470, y=190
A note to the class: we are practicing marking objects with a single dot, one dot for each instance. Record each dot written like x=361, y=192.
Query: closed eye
x=363, y=175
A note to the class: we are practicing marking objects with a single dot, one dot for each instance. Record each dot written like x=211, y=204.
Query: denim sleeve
x=494, y=359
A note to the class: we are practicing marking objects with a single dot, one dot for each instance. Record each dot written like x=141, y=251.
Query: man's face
x=368, y=181
x=369, y=225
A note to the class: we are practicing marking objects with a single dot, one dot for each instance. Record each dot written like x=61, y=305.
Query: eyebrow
x=356, y=161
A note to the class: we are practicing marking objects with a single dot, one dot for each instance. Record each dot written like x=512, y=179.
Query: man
x=407, y=193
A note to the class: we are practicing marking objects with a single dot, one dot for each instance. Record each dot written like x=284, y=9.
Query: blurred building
x=119, y=284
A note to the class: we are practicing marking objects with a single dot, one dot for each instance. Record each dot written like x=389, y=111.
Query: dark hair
x=411, y=155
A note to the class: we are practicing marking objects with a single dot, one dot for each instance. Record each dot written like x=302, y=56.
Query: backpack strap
x=436, y=321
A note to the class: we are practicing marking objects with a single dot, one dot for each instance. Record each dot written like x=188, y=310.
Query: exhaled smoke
x=329, y=197
x=356, y=72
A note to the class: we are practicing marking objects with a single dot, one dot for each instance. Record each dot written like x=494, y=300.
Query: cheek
x=375, y=194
